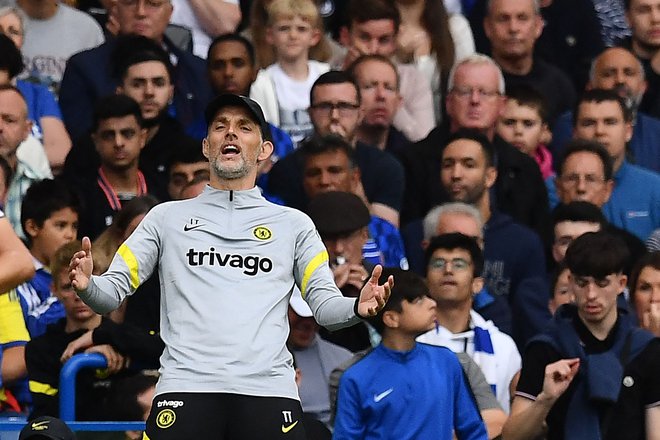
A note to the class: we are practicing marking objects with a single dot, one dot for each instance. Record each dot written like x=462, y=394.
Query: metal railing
x=67, y=396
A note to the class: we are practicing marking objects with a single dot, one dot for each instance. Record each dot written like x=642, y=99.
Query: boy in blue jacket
x=403, y=389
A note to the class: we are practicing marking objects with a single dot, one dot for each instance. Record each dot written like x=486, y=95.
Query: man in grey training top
x=228, y=261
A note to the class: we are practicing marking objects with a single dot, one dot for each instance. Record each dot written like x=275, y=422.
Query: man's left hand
x=374, y=296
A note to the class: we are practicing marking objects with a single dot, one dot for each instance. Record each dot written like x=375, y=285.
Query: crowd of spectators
x=500, y=156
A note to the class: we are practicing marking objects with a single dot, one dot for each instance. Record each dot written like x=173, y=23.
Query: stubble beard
x=228, y=173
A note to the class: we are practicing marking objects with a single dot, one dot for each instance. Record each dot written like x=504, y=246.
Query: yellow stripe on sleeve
x=12, y=323
x=132, y=264
x=42, y=388
x=145, y=436
x=319, y=259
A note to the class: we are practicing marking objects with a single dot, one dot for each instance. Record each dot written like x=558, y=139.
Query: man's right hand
x=81, y=266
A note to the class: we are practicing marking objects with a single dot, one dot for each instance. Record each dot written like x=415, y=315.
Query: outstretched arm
x=528, y=416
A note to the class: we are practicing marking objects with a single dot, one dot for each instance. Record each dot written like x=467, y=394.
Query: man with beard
x=618, y=69
x=119, y=136
x=229, y=261
x=642, y=17
x=146, y=76
x=88, y=74
x=514, y=260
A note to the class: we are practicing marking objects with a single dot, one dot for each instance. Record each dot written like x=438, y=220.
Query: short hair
x=432, y=218
x=583, y=145
x=477, y=59
x=373, y=57
x=116, y=106
x=238, y=38
x=335, y=77
x=11, y=59
x=536, y=4
x=190, y=152
x=650, y=259
x=361, y=11
x=408, y=287
x=135, y=49
x=592, y=67
x=597, y=254
x=579, y=211
x=528, y=96
x=456, y=240
x=18, y=12
x=474, y=135
x=318, y=144
x=602, y=95
x=62, y=258
x=45, y=197
x=307, y=9
x=13, y=88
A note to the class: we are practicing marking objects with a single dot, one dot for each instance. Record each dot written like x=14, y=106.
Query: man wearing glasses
x=453, y=273
x=89, y=74
x=475, y=100
x=335, y=109
x=629, y=195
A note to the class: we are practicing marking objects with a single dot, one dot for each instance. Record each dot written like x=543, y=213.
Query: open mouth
x=230, y=150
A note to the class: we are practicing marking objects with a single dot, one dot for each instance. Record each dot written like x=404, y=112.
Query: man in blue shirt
x=634, y=202
x=616, y=68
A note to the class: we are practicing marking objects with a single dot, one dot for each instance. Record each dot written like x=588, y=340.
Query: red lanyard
x=111, y=195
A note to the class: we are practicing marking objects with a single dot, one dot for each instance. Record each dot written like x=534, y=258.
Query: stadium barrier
x=67, y=396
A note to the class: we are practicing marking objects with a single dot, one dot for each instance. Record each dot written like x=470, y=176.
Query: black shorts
x=222, y=416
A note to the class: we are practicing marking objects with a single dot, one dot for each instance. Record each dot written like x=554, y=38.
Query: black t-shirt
x=627, y=417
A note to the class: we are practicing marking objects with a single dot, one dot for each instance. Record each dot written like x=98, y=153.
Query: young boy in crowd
x=524, y=125
x=49, y=217
x=282, y=89
x=403, y=380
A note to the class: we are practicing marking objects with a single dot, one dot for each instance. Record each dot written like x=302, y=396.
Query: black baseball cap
x=46, y=427
x=229, y=99
x=338, y=212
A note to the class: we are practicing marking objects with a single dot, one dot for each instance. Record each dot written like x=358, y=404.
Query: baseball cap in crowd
x=299, y=305
x=229, y=99
x=338, y=212
x=46, y=427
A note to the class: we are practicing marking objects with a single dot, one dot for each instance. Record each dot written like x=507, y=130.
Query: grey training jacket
x=228, y=262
